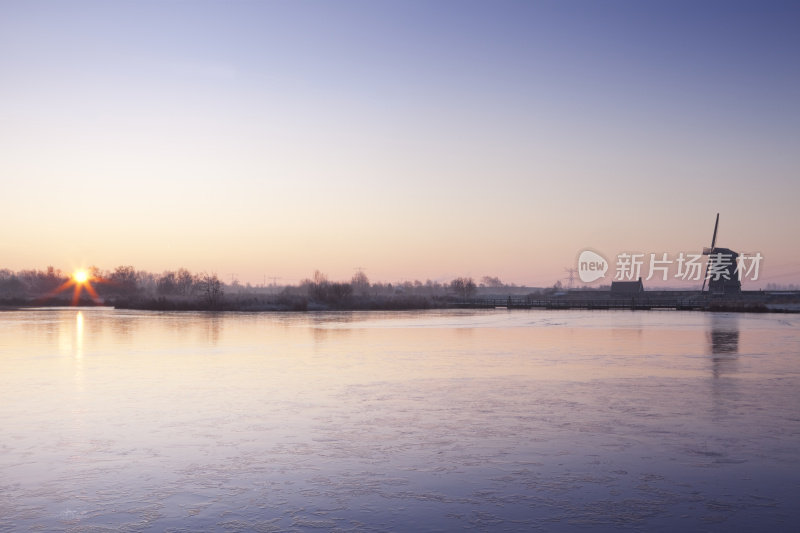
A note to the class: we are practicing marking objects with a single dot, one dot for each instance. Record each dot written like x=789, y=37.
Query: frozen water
x=423, y=421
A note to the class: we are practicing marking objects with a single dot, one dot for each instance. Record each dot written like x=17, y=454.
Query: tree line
x=125, y=286
x=54, y=286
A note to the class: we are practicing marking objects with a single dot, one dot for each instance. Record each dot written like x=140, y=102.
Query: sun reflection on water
x=79, y=335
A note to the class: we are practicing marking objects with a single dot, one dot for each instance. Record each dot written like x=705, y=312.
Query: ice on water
x=502, y=420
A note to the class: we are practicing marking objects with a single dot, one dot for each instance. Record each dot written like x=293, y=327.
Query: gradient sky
x=413, y=139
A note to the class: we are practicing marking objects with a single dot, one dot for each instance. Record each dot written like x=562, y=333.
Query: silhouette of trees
x=40, y=281
x=182, y=290
x=167, y=284
x=123, y=281
x=211, y=289
x=181, y=283
x=146, y=281
x=464, y=287
x=491, y=281
x=323, y=291
x=360, y=283
x=10, y=284
x=184, y=282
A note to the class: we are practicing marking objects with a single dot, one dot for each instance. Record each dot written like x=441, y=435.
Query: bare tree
x=360, y=283
x=123, y=280
x=211, y=289
x=464, y=287
x=320, y=278
x=167, y=283
x=491, y=281
x=184, y=281
x=321, y=290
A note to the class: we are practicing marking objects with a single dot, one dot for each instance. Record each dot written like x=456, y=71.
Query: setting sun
x=79, y=281
x=80, y=276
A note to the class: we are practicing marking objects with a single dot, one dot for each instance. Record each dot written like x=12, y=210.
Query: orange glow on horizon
x=80, y=279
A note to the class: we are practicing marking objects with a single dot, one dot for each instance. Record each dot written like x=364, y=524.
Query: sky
x=413, y=140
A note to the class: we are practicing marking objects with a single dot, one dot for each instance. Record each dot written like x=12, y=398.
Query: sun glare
x=79, y=281
x=80, y=276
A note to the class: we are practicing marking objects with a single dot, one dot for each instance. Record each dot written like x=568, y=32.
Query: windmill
x=725, y=276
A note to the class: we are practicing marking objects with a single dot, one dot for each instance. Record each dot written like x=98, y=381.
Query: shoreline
x=645, y=303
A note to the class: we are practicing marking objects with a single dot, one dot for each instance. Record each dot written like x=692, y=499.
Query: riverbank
x=744, y=302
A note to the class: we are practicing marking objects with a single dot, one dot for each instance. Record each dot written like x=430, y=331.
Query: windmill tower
x=725, y=268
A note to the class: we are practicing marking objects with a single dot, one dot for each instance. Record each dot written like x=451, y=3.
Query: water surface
x=501, y=420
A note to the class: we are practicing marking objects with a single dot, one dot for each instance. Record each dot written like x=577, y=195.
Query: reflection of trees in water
x=323, y=319
x=124, y=326
x=213, y=327
x=723, y=337
x=322, y=334
x=42, y=325
x=324, y=324
x=464, y=332
x=319, y=334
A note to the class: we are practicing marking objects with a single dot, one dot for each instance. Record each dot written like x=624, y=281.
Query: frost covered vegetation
x=126, y=287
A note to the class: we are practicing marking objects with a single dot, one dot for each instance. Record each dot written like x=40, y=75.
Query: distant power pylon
x=571, y=278
x=274, y=285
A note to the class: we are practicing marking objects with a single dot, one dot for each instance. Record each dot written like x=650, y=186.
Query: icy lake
x=414, y=421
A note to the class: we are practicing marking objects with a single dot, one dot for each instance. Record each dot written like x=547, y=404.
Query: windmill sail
x=709, y=251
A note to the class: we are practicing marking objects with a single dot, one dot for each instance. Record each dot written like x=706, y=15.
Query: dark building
x=722, y=272
x=722, y=265
x=626, y=288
